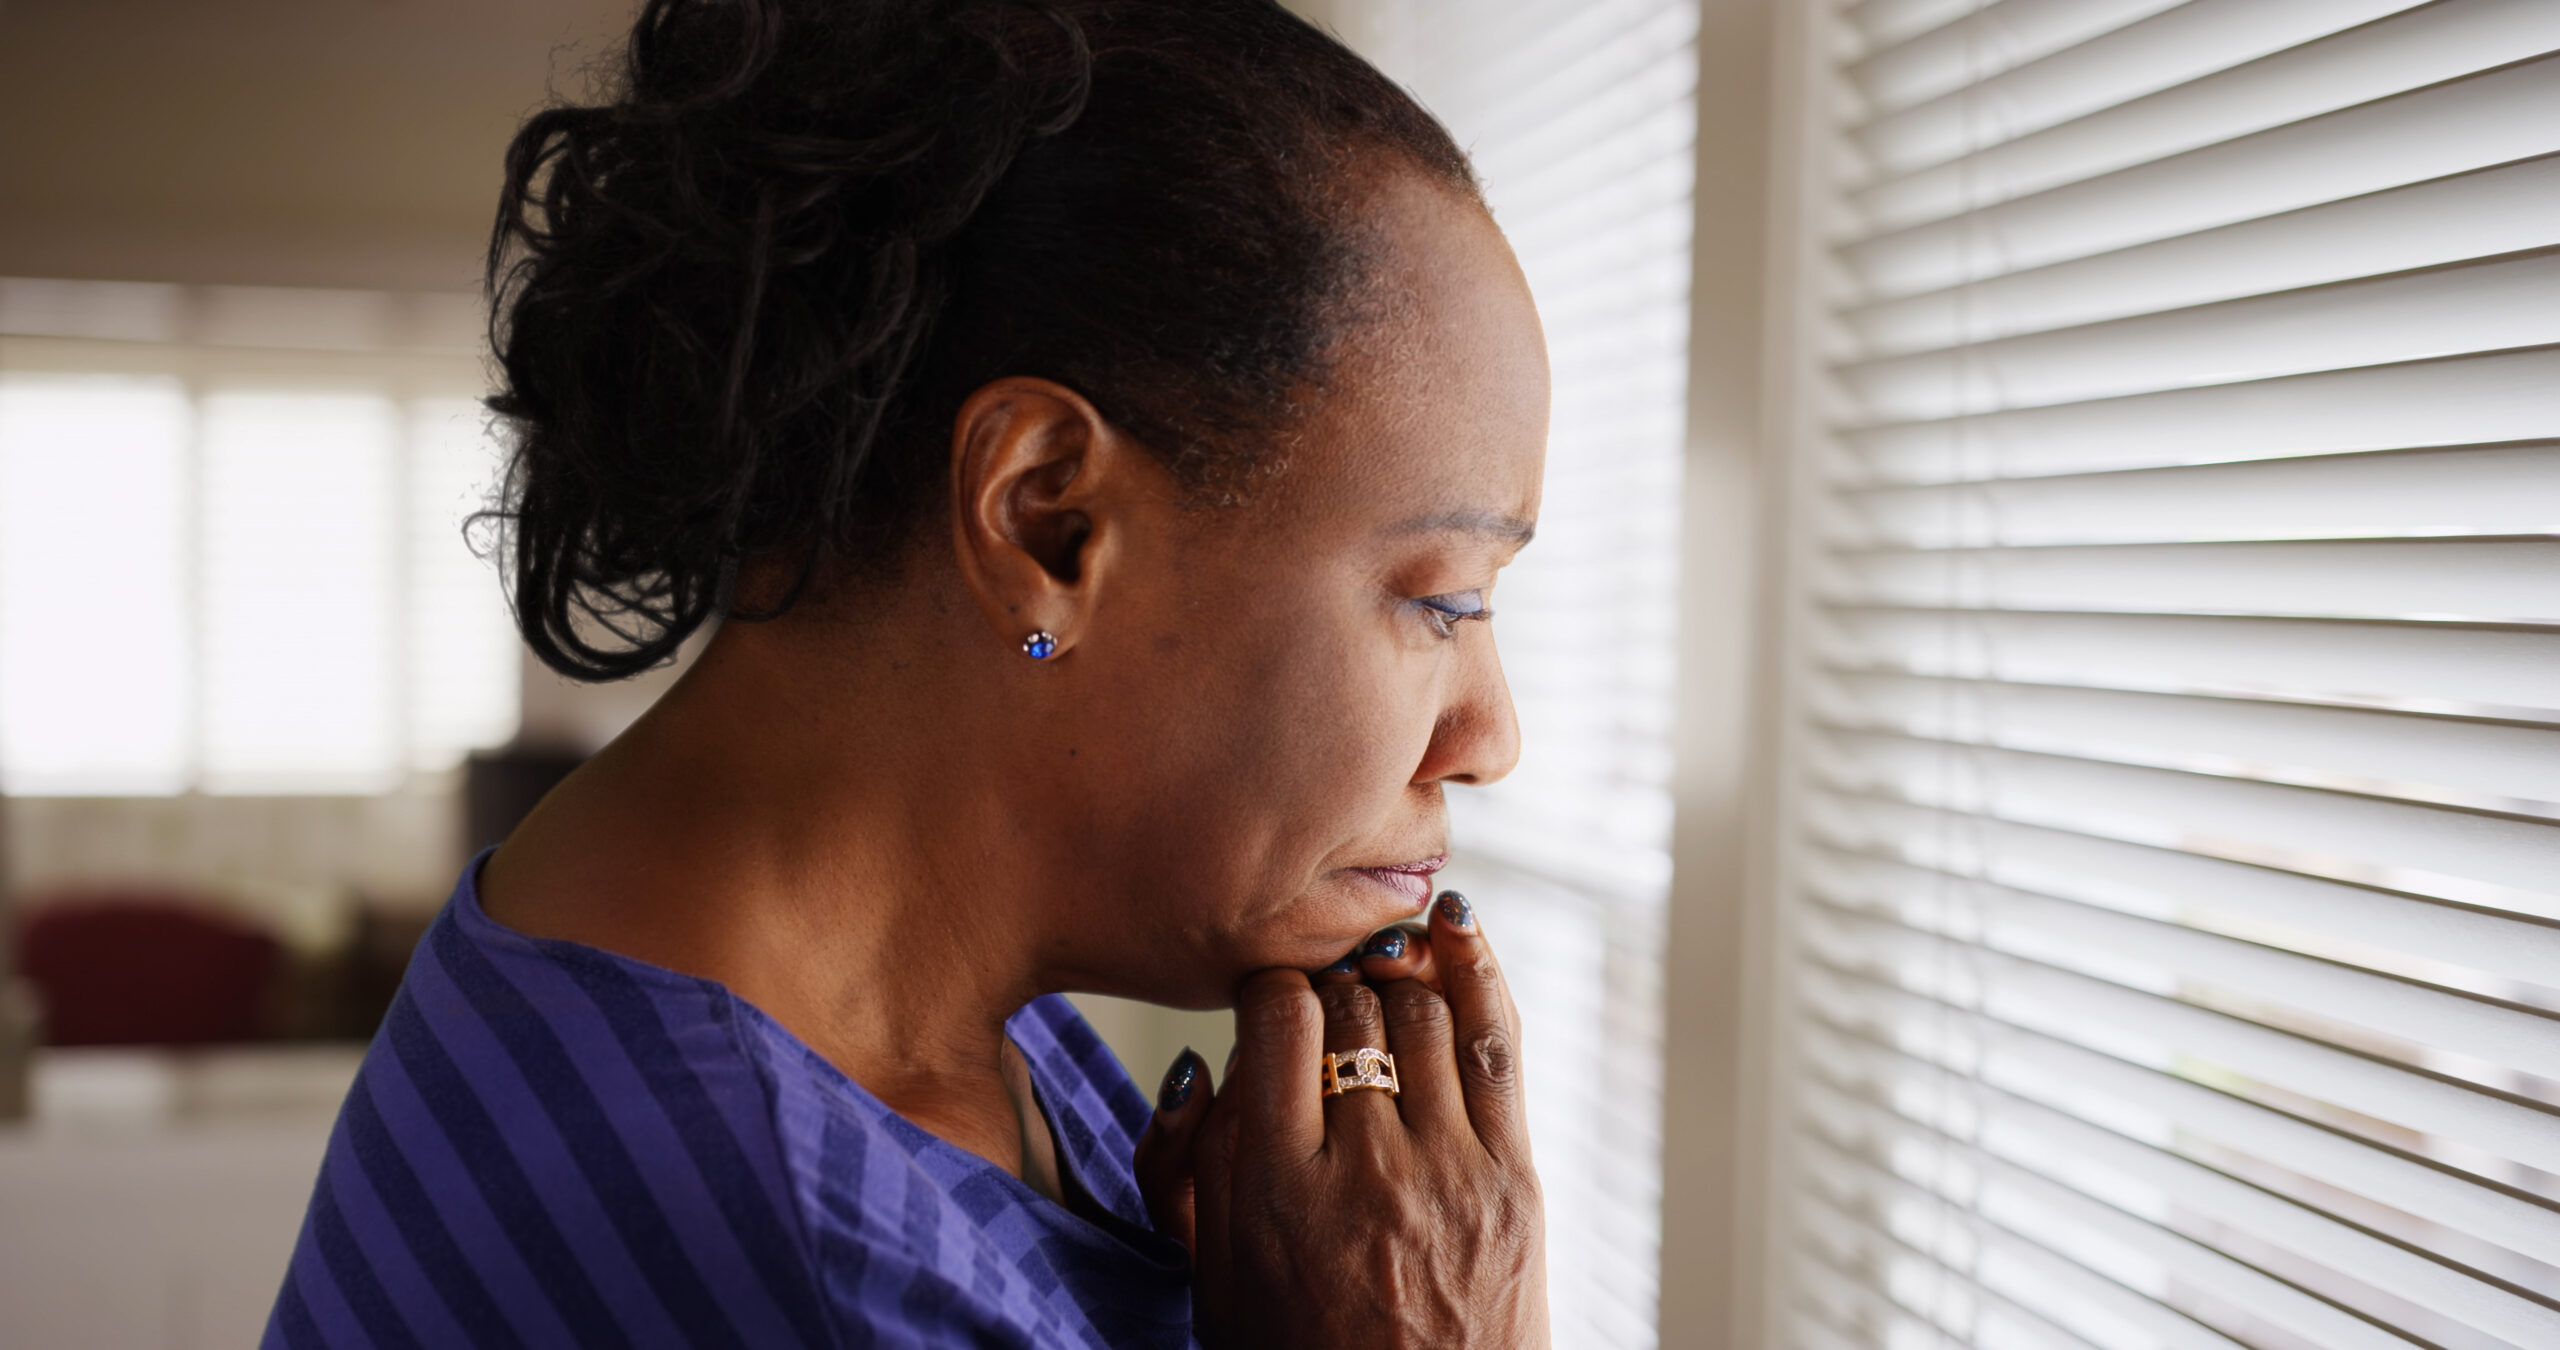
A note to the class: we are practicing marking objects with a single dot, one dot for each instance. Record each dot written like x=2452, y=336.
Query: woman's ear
x=1038, y=483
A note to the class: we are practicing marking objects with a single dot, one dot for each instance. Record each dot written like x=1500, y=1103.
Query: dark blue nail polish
x=1386, y=942
x=1350, y=962
x=1455, y=911
x=1180, y=1080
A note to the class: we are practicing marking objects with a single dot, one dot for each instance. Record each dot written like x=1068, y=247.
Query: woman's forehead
x=1437, y=409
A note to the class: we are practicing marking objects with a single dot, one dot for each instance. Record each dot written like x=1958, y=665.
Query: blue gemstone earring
x=1040, y=645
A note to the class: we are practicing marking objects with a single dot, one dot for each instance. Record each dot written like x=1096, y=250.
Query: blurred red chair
x=140, y=968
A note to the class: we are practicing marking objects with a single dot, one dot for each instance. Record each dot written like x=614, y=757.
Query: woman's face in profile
x=1285, y=686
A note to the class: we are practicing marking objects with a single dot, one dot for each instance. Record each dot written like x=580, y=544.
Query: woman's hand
x=1361, y=1219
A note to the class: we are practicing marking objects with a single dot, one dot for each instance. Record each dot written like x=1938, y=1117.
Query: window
x=2172, y=918
x=231, y=566
x=1581, y=120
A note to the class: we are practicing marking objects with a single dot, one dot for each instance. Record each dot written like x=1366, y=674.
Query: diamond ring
x=1362, y=1069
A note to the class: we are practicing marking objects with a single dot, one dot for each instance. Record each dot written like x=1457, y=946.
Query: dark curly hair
x=736, y=305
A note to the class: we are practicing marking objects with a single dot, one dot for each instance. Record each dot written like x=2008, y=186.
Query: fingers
x=1487, y=1036
x=1344, y=971
x=1394, y=954
x=1389, y=954
x=1418, y=964
x=1279, y=1035
x=1420, y=1036
x=1168, y=1153
x=1213, y=1186
x=1352, y=1021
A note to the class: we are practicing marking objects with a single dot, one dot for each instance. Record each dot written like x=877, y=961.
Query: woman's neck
x=832, y=858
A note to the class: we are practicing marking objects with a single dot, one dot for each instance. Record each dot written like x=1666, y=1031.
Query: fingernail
x=1180, y=1080
x=1455, y=911
x=1350, y=962
x=1386, y=942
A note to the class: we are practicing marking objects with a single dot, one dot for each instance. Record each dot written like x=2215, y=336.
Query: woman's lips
x=1412, y=880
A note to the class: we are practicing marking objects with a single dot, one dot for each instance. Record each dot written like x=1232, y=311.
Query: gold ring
x=1363, y=1069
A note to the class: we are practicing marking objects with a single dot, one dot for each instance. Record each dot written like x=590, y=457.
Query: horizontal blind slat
x=2038, y=927
x=1570, y=101
x=2421, y=47
x=1883, y=23
x=2505, y=862
x=1810, y=1333
x=1992, y=39
x=2506, y=580
x=2047, y=1286
x=2207, y=1196
x=2188, y=1261
x=2463, y=400
x=2380, y=928
x=2498, y=766
x=2447, y=1292
x=1958, y=1304
x=1518, y=67
x=2471, y=123
x=2159, y=52
x=2178, y=1112
x=2505, y=489
x=1842, y=1307
x=2504, y=209
x=2447, y=668
x=2106, y=1017
x=2481, y=305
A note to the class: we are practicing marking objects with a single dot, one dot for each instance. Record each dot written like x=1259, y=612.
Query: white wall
x=275, y=142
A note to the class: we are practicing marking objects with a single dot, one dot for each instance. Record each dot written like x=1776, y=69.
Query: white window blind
x=2173, y=914
x=231, y=541
x=1580, y=116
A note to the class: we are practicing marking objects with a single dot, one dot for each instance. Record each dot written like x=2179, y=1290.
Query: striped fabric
x=550, y=1145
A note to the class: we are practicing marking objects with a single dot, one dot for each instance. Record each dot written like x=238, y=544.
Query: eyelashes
x=1446, y=612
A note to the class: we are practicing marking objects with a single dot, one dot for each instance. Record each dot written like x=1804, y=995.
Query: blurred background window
x=2174, y=906
x=239, y=569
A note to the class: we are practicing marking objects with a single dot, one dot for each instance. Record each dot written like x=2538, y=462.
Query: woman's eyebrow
x=1472, y=520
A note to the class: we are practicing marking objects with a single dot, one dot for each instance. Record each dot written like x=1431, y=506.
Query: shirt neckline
x=479, y=927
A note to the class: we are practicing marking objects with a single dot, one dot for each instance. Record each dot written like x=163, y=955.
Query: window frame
x=1751, y=411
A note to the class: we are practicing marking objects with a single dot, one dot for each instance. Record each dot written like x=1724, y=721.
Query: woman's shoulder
x=550, y=1145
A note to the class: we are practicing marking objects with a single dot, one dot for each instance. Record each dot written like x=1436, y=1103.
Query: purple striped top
x=554, y=1145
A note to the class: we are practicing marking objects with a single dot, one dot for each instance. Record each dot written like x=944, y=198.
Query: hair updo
x=737, y=305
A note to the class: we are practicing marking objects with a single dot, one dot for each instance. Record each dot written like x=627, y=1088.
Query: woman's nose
x=1477, y=739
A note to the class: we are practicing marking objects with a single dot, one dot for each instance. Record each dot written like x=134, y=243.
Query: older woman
x=1095, y=428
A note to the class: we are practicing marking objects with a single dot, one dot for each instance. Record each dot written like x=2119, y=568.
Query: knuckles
x=1353, y=1005
x=1411, y=1003
x=1491, y=1058
x=1275, y=1008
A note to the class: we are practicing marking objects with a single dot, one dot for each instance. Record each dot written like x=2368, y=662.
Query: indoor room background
x=2039, y=819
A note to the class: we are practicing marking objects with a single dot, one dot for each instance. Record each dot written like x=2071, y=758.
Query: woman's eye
x=1446, y=612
